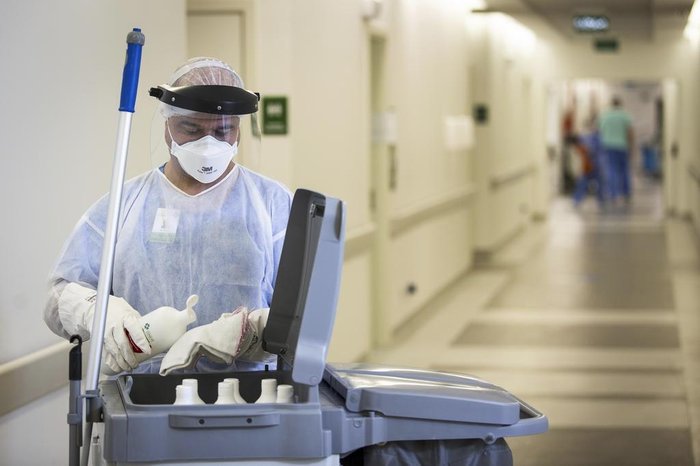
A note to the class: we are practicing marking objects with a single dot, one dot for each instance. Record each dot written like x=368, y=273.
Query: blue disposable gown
x=223, y=244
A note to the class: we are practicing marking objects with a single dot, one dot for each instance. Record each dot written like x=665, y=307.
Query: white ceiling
x=629, y=19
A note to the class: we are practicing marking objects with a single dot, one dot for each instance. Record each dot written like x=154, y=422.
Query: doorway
x=575, y=109
x=383, y=167
x=223, y=32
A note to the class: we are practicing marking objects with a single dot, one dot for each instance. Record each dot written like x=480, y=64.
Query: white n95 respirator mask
x=205, y=159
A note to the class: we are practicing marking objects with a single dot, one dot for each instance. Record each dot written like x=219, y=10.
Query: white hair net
x=203, y=71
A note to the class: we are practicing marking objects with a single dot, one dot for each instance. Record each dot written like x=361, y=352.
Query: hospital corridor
x=590, y=317
x=350, y=232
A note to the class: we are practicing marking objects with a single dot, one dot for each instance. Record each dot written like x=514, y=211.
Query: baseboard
x=483, y=256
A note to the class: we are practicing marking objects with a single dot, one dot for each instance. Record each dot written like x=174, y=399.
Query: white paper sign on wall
x=459, y=132
x=385, y=128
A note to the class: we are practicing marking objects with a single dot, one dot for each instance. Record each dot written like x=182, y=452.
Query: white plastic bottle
x=187, y=395
x=236, y=390
x=163, y=326
x=285, y=394
x=194, y=385
x=268, y=391
x=225, y=394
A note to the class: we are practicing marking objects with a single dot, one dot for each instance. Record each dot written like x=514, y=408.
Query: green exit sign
x=274, y=115
x=606, y=45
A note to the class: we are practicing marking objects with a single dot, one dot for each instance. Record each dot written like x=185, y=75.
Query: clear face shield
x=202, y=128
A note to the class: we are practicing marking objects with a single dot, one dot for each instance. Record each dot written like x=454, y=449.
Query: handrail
x=694, y=173
x=359, y=239
x=409, y=217
x=498, y=181
x=32, y=376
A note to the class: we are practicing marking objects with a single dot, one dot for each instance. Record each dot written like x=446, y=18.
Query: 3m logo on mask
x=204, y=159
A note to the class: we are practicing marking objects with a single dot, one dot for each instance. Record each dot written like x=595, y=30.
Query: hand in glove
x=123, y=332
x=257, y=319
x=234, y=335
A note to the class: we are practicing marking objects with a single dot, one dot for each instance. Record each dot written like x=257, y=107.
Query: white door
x=219, y=34
x=222, y=34
x=670, y=149
x=383, y=185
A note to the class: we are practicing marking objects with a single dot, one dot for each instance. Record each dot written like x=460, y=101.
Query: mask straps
x=172, y=139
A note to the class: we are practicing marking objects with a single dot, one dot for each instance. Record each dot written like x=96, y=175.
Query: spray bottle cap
x=191, y=302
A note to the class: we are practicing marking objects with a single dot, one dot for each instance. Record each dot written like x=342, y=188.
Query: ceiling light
x=590, y=23
x=473, y=5
x=692, y=29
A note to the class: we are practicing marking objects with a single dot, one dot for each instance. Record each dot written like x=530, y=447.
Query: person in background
x=594, y=171
x=199, y=224
x=568, y=177
x=617, y=141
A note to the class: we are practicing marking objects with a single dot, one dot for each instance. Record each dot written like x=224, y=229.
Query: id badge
x=165, y=225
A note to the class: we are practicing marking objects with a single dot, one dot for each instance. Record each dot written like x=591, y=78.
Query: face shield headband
x=212, y=99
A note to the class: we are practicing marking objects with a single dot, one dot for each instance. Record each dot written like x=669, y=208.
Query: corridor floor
x=591, y=317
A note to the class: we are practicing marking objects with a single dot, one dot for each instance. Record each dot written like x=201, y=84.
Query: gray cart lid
x=418, y=394
x=298, y=329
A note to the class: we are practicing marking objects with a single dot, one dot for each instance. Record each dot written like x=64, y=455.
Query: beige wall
x=62, y=64
x=690, y=162
x=428, y=65
x=317, y=53
x=510, y=149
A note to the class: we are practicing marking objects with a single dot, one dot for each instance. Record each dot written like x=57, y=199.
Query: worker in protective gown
x=198, y=224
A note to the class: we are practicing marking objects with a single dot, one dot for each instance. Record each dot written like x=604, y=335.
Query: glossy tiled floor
x=593, y=318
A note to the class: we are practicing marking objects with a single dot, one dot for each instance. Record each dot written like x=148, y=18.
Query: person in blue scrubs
x=617, y=141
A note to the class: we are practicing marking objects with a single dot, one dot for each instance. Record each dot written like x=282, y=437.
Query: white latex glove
x=123, y=332
x=233, y=335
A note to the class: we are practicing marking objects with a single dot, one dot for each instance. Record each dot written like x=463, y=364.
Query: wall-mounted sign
x=590, y=23
x=274, y=115
x=606, y=45
x=481, y=114
x=385, y=128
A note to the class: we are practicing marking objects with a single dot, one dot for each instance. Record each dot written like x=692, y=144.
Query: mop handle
x=130, y=78
x=135, y=40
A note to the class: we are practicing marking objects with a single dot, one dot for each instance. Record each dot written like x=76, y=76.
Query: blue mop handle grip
x=130, y=79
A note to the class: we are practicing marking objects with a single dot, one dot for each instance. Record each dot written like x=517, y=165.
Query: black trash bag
x=473, y=452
